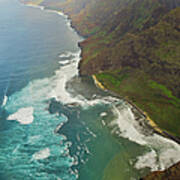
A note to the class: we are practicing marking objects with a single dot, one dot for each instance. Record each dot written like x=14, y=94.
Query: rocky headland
x=132, y=48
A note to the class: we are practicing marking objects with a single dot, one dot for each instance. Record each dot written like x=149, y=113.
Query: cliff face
x=172, y=173
x=133, y=47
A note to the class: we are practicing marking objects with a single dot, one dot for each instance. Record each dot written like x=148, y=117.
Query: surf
x=52, y=131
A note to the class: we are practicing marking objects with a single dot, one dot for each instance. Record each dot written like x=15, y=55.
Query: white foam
x=42, y=154
x=23, y=115
x=147, y=160
x=4, y=101
x=63, y=75
x=167, y=150
x=66, y=73
x=166, y=156
x=68, y=22
x=35, y=6
x=164, y=152
x=64, y=62
x=124, y=120
x=61, y=124
x=103, y=123
x=91, y=133
x=48, y=10
x=66, y=54
x=103, y=114
x=57, y=12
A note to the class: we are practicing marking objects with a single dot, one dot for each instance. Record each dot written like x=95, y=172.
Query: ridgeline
x=133, y=48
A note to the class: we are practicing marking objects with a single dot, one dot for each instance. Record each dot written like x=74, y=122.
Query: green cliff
x=133, y=48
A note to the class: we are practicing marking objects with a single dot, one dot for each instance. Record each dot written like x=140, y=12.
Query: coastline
x=149, y=121
x=100, y=85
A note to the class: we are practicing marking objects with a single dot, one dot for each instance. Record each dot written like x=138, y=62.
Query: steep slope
x=133, y=47
x=136, y=54
x=145, y=67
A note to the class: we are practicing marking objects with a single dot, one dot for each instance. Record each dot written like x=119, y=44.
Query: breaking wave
x=38, y=127
x=162, y=152
x=4, y=101
x=23, y=115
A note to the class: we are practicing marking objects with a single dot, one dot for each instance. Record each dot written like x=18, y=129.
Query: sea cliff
x=132, y=49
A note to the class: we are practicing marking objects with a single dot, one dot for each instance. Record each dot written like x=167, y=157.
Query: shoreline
x=148, y=120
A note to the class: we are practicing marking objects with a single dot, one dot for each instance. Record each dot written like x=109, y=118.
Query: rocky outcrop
x=172, y=173
x=133, y=48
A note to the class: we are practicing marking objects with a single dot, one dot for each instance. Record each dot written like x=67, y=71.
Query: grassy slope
x=152, y=82
x=134, y=52
x=151, y=97
x=133, y=48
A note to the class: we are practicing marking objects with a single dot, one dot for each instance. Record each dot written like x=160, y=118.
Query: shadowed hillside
x=133, y=47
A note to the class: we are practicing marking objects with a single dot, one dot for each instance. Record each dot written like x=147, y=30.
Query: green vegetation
x=133, y=47
x=151, y=97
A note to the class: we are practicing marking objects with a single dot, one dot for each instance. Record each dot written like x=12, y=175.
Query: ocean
x=56, y=125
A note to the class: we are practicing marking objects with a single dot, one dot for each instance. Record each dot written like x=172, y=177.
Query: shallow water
x=55, y=125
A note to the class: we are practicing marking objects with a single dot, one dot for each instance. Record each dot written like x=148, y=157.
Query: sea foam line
x=35, y=6
x=23, y=115
x=5, y=99
x=163, y=152
x=68, y=21
x=124, y=119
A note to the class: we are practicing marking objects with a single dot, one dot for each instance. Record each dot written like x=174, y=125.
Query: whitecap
x=103, y=114
x=4, y=101
x=66, y=54
x=23, y=115
x=35, y=6
x=64, y=62
x=164, y=152
x=147, y=160
x=90, y=132
x=125, y=121
x=57, y=12
x=168, y=151
x=103, y=123
x=42, y=154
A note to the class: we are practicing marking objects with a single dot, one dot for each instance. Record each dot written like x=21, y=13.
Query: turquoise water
x=55, y=125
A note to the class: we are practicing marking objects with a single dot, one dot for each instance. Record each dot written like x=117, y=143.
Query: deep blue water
x=55, y=125
x=30, y=43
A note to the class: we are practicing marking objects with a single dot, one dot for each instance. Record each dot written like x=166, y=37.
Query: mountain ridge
x=133, y=48
x=127, y=39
